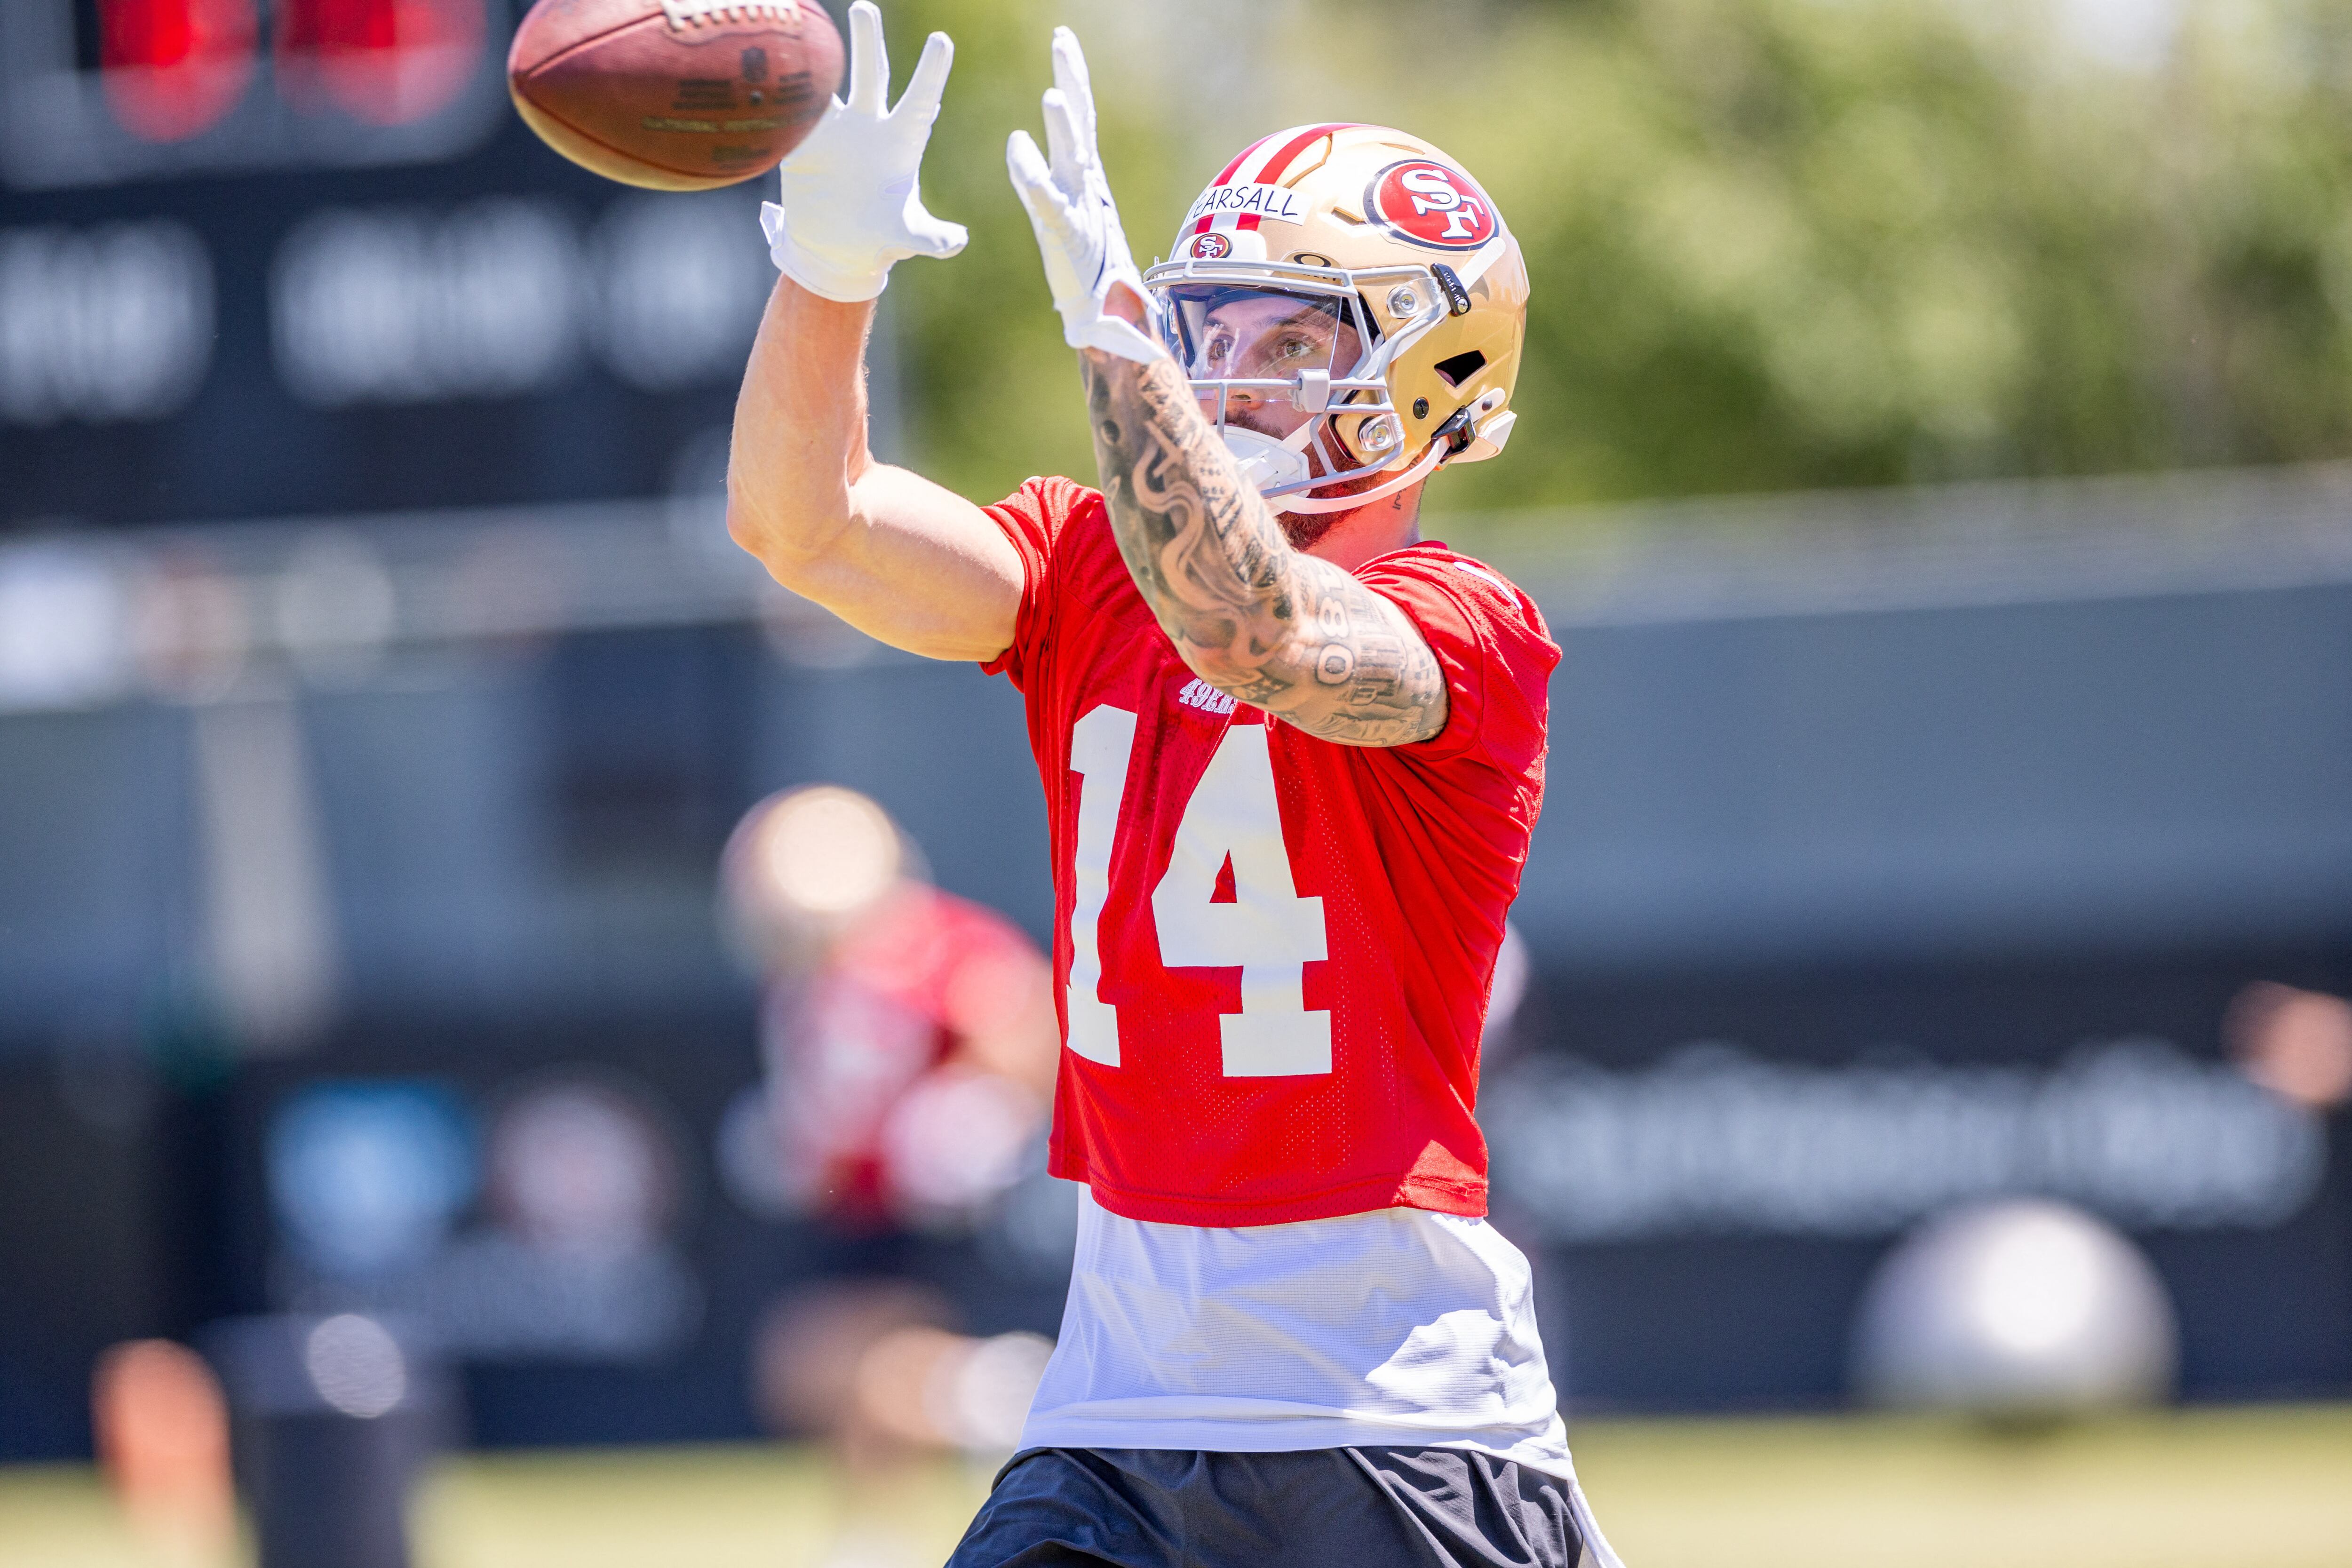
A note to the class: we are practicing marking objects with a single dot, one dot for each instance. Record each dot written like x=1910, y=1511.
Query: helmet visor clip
x=1457, y=297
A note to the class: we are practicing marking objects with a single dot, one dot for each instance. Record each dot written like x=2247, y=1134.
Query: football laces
x=684, y=13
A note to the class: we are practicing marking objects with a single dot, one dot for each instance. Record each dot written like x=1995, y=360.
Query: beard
x=1303, y=529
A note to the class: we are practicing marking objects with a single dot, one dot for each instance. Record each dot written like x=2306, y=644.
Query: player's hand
x=851, y=204
x=1076, y=222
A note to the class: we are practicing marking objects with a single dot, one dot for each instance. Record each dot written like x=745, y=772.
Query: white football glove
x=1076, y=222
x=851, y=205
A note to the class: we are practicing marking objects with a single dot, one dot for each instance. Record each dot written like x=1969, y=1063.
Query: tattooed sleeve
x=1254, y=617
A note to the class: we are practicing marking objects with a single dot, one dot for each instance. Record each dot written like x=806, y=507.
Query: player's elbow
x=790, y=535
x=748, y=524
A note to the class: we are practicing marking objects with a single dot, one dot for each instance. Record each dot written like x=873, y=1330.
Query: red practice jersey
x=1271, y=951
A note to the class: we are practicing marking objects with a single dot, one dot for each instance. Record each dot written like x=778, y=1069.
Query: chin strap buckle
x=1457, y=432
x=1477, y=429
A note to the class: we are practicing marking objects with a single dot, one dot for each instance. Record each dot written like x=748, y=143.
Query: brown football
x=674, y=95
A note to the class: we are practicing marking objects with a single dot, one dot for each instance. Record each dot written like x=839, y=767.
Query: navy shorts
x=1315, y=1508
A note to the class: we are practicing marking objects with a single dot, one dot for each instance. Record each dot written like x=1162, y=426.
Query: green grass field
x=2213, y=1489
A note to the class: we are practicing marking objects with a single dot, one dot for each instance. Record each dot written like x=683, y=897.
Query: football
x=674, y=95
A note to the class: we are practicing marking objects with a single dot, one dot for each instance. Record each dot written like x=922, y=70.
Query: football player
x=1291, y=755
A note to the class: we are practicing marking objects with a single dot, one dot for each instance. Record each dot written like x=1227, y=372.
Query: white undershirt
x=1395, y=1327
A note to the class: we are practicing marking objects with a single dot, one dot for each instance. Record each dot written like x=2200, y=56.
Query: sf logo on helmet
x=1212, y=245
x=1431, y=205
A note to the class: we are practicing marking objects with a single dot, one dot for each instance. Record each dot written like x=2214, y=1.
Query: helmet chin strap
x=1268, y=464
x=1419, y=471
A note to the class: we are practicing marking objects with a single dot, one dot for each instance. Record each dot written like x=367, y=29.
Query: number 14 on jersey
x=1267, y=932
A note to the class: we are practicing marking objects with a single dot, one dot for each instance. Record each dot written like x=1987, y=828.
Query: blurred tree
x=1775, y=243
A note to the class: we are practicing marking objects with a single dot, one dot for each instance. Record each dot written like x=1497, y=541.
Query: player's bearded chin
x=1303, y=528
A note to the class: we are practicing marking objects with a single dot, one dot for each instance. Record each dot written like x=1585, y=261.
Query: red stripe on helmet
x=1239, y=159
x=1279, y=164
x=1270, y=170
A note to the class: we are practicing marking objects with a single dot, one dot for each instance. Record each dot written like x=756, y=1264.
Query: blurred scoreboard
x=113, y=90
x=264, y=257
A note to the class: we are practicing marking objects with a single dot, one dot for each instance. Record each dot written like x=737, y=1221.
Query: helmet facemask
x=1290, y=364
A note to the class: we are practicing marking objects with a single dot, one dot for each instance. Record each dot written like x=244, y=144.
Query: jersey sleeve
x=1491, y=642
x=1033, y=517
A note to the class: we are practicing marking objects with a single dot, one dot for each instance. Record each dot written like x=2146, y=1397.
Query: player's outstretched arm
x=894, y=555
x=890, y=553
x=1256, y=618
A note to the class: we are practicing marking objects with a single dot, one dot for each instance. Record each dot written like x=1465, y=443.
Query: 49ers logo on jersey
x=1431, y=205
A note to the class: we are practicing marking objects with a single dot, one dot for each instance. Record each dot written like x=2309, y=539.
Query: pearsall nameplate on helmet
x=1431, y=205
x=1275, y=202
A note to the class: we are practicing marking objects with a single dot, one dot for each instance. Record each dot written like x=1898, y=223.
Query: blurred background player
x=907, y=1033
x=908, y=1043
x=1290, y=770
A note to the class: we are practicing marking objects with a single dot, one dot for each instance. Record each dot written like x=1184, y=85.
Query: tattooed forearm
x=1272, y=626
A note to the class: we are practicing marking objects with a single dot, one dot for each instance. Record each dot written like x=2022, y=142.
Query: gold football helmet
x=1359, y=276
